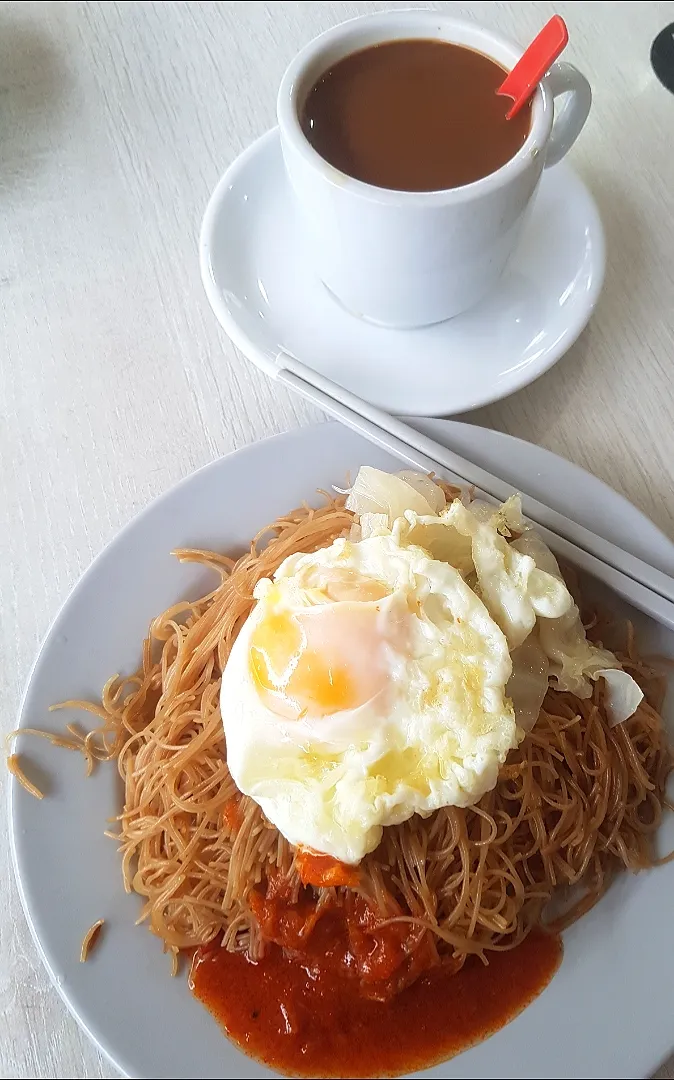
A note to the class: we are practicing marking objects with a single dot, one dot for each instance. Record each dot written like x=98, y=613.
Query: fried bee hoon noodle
x=90, y=938
x=14, y=766
x=576, y=802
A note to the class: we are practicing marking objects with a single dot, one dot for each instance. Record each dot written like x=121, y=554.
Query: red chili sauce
x=338, y=994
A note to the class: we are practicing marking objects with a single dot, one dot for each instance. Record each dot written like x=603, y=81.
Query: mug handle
x=571, y=113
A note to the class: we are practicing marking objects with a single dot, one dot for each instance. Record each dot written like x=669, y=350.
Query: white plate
x=607, y=1013
x=268, y=299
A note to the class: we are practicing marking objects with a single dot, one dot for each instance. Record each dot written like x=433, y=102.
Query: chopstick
x=647, y=588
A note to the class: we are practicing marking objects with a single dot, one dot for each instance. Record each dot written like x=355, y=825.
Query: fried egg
x=367, y=685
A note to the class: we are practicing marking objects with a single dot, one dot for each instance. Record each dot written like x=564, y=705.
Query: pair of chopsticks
x=645, y=587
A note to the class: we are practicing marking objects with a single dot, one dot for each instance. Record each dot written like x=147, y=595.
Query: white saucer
x=268, y=299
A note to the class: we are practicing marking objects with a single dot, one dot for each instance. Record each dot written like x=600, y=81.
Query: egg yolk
x=324, y=660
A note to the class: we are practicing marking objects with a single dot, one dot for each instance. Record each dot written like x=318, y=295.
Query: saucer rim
x=266, y=359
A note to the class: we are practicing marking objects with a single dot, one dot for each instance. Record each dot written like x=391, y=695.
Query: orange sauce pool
x=304, y=1014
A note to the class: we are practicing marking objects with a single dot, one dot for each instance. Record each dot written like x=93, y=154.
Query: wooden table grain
x=116, y=120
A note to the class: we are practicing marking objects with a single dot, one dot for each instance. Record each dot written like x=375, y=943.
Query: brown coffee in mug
x=414, y=115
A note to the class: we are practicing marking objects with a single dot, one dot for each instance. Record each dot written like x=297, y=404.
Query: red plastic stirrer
x=536, y=61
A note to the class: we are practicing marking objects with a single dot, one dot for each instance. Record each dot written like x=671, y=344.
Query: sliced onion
x=528, y=684
x=622, y=696
x=377, y=492
x=434, y=495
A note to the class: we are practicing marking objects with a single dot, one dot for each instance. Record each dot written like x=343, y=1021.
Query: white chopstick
x=647, y=588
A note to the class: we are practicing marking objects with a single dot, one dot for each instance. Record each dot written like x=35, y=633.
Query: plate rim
x=295, y=434
x=265, y=358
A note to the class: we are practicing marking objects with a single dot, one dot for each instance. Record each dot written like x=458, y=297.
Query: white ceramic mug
x=409, y=258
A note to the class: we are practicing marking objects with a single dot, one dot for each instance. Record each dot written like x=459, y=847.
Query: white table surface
x=116, y=120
